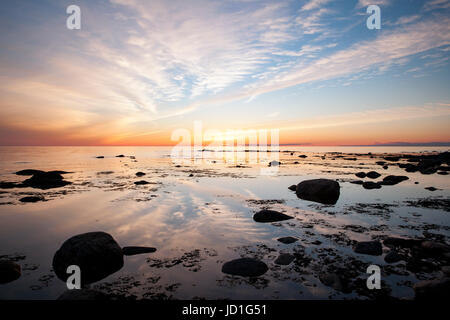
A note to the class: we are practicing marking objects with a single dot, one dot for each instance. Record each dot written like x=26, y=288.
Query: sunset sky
x=138, y=70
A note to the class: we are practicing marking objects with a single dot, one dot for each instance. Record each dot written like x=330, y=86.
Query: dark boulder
x=373, y=174
x=401, y=242
x=100, y=157
x=9, y=271
x=393, y=180
x=319, y=190
x=120, y=156
x=141, y=182
x=140, y=174
x=360, y=174
x=369, y=185
x=266, y=215
x=28, y=172
x=131, y=251
x=245, y=267
x=96, y=253
x=32, y=199
x=393, y=256
x=293, y=187
x=46, y=180
x=373, y=248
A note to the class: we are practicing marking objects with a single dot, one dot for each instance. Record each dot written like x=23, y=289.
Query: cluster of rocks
x=387, y=181
x=39, y=179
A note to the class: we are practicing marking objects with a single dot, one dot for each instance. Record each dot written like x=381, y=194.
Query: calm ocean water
x=199, y=215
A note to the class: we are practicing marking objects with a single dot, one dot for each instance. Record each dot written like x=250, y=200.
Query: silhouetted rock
x=373, y=248
x=141, y=182
x=246, y=267
x=373, y=174
x=319, y=190
x=140, y=174
x=371, y=185
x=360, y=174
x=393, y=256
x=100, y=157
x=9, y=271
x=287, y=240
x=293, y=187
x=357, y=182
x=120, y=156
x=131, y=251
x=392, y=180
x=96, y=253
x=32, y=199
x=393, y=159
x=83, y=295
x=266, y=215
x=10, y=185
x=303, y=156
x=28, y=172
x=431, y=188
x=46, y=180
x=284, y=259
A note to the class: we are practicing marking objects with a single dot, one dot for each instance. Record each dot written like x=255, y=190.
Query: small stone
x=131, y=251
x=266, y=215
x=393, y=257
x=284, y=259
x=245, y=267
x=287, y=240
x=373, y=248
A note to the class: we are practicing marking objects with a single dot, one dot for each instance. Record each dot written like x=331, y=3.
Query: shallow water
x=199, y=222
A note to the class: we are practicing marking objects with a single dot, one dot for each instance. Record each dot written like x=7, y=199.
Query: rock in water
x=32, y=199
x=360, y=174
x=142, y=182
x=274, y=163
x=131, y=251
x=393, y=257
x=246, y=267
x=373, y=174
x=319, y=190
x=293, y=187
x=9, y=271
x=371, y=185
x=393, y=180
x=96, y=253
x=270, y=216
x=140, y=174
x=284, y=259
x=28, y=172
x=46, y=180
x=287, y=240
x=373, y=248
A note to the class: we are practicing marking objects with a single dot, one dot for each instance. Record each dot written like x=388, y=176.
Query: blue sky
x=137, y=70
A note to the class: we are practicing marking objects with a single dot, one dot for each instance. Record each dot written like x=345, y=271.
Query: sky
x=137, y=71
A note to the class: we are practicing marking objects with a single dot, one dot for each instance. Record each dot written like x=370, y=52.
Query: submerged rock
x=287, y=240
x=96, y=253
x=246, y=267
x=131, y=251
x=32, y=199
x=319, y=190
x=46, y=180
x=9, y=271
x=266, y=215
x=373, y=248
x=284, y=259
